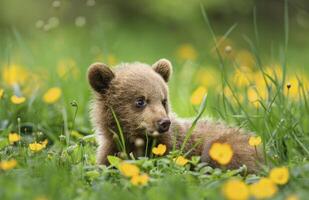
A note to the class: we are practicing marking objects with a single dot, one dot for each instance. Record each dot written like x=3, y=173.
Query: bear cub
x=137, y=94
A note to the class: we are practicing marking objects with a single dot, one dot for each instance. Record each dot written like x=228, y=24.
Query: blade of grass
x=120, y=131
x=221, y=62
x=191, y=129
x=65, y=126
x=147, y=143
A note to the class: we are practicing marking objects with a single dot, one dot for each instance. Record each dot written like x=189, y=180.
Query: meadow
x=47, y=145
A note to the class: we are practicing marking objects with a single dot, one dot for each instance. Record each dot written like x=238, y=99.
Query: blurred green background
x=143, y=30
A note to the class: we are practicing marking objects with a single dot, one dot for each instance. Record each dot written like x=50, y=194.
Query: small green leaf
x=114, y=161
x=3, y=143
x=94, y=174
x=195, y=160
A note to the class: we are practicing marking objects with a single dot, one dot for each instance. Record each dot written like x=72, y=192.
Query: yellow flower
x=231, y=97
x=197, y=96
x=140, y=179
x=186, y=52
x=14, y=137
x=1, y=93
x=253, y=97
x=159, y=150
x=279, y=175
x=292, y=197
x=255, y=140
x=208, y=77
x=17, y=100
x=264, y=188
x=241, y=78
x=245, y=59
x=221, y=152
x=305, y=83
x=294, y=91
x=180, y=160
x=225, y=47
x=8, y=165
x=41, y=198
x=36, y=147
x=235, y=189
x=274, y=71
x=260, y=85
x=66, y=68
x=111, y=60
x=14, y=74
x=44, y=143
x=128, y=169
x=52, y=95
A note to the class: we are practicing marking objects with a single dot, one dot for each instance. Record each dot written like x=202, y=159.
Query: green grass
x=66, y=169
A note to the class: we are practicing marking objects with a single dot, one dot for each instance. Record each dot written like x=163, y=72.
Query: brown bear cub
x=138, y=96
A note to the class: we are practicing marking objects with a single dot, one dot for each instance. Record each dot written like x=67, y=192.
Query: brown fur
x=118, y=89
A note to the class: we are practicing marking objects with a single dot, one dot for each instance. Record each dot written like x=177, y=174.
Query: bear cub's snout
x=163, y=125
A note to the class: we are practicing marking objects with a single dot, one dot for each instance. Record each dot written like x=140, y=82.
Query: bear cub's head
x=136, y=92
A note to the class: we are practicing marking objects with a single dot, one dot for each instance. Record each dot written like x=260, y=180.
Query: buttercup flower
x=1, y=93
x=221, y=152
x=274, y=71
x=52, y=95
x=111, y=60
x=17, y=100
x=235, y=189
x=263, y=189
x=14, y=74
x=292, y=197
x=44, y=143
x=279, y=175
x=241, y=78
x=140, y=179
x=8, y=165
x=14, y=137
x=245, y=59
x=255, y=140
x=41, y=198
x=128, y=169
x=294, y=90
x=253, y=97
x=36, y=147
x=197, y=96
x=159, y=150
x=180, y=160
x=186, y=52
x=229, y=94
x=207, y=77
x=66, y=68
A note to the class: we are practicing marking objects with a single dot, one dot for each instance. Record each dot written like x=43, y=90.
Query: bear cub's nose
x=163, y=125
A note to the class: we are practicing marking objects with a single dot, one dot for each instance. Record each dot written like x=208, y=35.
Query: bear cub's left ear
x=99, y=77
x=164, y=68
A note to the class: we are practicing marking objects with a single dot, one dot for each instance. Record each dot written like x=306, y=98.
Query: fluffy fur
x=117, y=89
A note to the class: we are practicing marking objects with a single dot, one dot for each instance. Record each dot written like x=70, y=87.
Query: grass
x=247, y=90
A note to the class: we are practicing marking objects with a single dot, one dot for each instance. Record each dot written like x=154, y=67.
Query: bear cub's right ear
x=164, y=68
x=99, y=77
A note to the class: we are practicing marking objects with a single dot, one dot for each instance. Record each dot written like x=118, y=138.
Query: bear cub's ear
x=164, y=68
x=99, y=77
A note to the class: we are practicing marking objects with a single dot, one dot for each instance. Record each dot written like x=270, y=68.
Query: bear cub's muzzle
x=163, y=125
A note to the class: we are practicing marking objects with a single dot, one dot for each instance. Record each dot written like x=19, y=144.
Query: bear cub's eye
x=140, y=102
